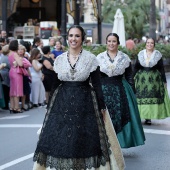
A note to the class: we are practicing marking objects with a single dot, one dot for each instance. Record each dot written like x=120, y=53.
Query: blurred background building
x=22, y=13
x=163, y=25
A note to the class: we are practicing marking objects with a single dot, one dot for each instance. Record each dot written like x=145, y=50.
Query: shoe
x=24, y=109
x=17, y=111
x=148, y=122
x=30, y=105
x=44, y=105
x=35, y=105
x=11, y=111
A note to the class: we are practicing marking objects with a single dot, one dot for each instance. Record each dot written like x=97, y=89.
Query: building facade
x=19, y=13
x=163, y=25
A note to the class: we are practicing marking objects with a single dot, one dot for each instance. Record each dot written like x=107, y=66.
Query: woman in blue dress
x=58, y=49
x=118, y=90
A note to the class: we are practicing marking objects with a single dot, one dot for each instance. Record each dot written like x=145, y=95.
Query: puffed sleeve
x=160, y=68
x=95, y=79
x=129, y=77
x=137, y=67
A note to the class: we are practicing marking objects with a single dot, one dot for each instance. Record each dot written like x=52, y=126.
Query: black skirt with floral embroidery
x=73, y=134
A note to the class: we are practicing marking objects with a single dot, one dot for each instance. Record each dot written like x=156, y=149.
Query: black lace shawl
x=159, y=66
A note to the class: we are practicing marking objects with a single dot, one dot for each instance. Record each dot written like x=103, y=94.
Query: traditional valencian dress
x=152, y=96
x=73, y=135
x=117, y=84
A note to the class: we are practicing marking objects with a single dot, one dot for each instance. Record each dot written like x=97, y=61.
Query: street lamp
x=97, y=13
x=152, y=19
x=4, y=14
x=63, y=22
x=99, y=22
x=77, y=13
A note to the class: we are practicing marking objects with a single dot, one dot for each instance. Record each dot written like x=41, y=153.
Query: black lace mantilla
x=73, y=137
x=116, y=101
x=149, y=87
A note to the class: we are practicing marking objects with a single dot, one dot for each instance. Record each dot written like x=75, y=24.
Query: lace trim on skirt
x=77, y=163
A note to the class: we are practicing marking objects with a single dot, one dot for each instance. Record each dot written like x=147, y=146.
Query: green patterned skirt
x=152, y=96
x=122, y=106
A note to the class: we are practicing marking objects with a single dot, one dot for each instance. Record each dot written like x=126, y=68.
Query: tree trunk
x=152, y=22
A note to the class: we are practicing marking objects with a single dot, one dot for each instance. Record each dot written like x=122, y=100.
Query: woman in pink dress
x=16, y=80
x=26, y=78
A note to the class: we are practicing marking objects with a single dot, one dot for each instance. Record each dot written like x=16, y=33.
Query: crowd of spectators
x=36, y=85
x=26, y=72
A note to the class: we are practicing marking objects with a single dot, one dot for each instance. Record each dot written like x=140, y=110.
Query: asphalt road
x=18, y=138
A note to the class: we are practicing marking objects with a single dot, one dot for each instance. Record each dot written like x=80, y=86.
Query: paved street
x=18, y=140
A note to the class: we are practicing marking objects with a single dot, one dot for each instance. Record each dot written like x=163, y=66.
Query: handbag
x=23, y=71
x=26, y=63
x=19, y=70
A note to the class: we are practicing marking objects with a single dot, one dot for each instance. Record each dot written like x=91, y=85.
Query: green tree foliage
x=136, y=15
x=163, y=48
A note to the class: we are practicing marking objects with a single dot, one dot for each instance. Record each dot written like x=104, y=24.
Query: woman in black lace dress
x=117, y=84
x=73, y=135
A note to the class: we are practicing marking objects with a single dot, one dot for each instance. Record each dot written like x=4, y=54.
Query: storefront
x=23, y=15
x=19, y=13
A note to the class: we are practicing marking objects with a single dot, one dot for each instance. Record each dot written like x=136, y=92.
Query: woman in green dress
x=150, y=82
x=118, y=90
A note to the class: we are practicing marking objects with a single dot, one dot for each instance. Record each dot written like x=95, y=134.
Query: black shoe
x=148, y=122
x=30, y=106
x=43, y=104
x=17, y=111
x=24, y=109
x=35, y=105
x=11, y=111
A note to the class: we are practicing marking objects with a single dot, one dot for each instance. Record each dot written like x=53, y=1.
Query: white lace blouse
x=117, y=67
x=86, y=64
x=151, y=61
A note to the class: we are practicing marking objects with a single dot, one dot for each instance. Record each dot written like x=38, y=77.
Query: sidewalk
x=4, y=112
x=168, y=82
